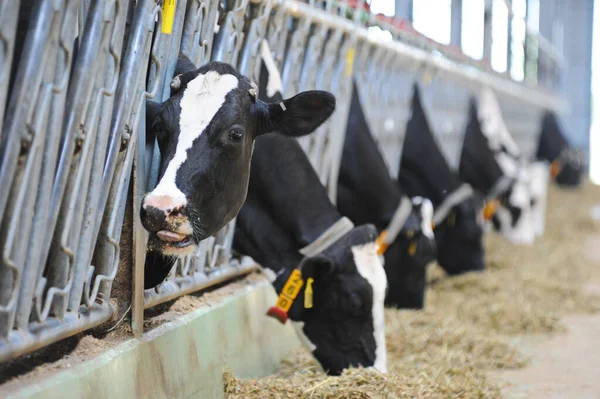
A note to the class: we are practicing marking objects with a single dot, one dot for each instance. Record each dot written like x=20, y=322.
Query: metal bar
x=52, y=330
x=439, y=64
x=488, y=21
x=195, y=283
x=9, y=11
x=456, y=23
x=33, y=269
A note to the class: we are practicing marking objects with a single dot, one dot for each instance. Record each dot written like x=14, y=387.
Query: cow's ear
x=154, y=124
x=317, y=267
x=299, y=115
x=185, y=71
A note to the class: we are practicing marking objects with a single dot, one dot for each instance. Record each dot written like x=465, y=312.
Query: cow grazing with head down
x=567, y=163
x=527, y=192
x=482, y=169
x=424, y=171
x=206, y=132
x=367, y=194
x=288, y=223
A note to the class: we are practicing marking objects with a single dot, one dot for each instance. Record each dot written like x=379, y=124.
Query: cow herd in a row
x=334, y=267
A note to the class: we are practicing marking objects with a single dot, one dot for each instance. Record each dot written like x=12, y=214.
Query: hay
x=465, y=330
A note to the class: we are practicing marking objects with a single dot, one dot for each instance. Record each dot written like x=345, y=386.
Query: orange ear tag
x=555, y=168
x=490, y=209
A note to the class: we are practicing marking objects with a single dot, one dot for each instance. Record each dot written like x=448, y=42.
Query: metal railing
x=75, y=158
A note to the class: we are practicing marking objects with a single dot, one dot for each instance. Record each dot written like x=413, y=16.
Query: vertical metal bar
x=8, y=27
x=509, y=58
x=33, y=266
x=456, y=23
x=487, y=31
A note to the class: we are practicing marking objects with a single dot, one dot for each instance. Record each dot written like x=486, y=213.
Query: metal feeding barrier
x=75, y=157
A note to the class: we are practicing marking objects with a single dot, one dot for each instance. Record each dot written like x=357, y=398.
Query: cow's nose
x=157, y=209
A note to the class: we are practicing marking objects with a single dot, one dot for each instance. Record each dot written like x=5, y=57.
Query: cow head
x=406, y=259
x=345, y=325
x=567, y=164
x=424, y=171
x=206, y=132
x=459, y=239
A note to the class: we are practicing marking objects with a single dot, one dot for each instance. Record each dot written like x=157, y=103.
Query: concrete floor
x=562, y=365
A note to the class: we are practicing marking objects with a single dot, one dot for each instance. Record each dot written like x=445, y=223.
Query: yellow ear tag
x=381, y=246
x=410, y=233
x=287, y=296
x=452, y=219
x=308, y=294
x=432, y=226
x=412, y=248
x=555, y=168
x=490, y=209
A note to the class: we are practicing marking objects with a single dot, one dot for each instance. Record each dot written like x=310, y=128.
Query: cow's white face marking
x=370, y=268
x=524, y=231
x=201, y=100
x=274, y=84
x=426, y=213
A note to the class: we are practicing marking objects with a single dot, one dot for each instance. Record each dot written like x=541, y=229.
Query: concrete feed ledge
x=183, y=358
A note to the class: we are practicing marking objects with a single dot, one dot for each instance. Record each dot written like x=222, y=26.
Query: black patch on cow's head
x=553, y=147
x=340, y=323
x=406, y=271
x=206, y=190
x=460, y=239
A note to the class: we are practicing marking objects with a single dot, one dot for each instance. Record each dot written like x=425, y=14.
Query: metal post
x=404, y=9
x=509, y=39
x=487, y=31
x=456, y=23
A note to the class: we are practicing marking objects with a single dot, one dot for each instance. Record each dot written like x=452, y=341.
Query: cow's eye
x=236, y=133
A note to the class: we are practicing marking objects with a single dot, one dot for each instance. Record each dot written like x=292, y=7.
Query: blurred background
x=562, y=28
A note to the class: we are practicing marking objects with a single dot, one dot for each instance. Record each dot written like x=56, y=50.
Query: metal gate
x=75, y=158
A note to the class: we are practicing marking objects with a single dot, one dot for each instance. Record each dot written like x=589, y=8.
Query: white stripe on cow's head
x=204, y=96
x=371, y=269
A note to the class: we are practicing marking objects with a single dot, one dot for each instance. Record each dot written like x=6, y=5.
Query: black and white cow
x=424, y=171
x=288, y=222
x=480, y=167
x=206, y=132
x=367, y=194
x=567, y=163
x=286, y=211
x=527, y=191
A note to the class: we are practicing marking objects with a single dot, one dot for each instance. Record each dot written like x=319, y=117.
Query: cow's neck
x=291, y=188
x=363, y=171
x=422, y=162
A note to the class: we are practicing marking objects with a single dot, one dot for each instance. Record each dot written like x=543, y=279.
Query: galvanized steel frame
x=73, y=138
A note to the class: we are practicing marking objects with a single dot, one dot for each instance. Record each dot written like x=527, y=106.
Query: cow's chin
x=184, y=248
x=179, y=251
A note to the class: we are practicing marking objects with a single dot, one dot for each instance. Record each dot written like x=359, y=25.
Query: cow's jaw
x=371, y=269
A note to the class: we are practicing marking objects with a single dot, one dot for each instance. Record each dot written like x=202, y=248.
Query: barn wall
x=569, y=25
